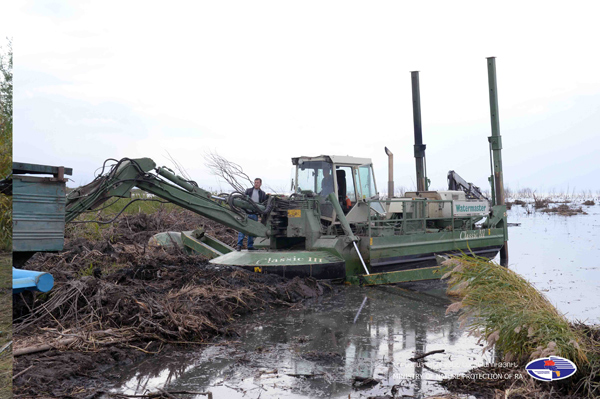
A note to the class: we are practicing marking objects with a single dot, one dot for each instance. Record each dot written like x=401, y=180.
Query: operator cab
x=351, y=178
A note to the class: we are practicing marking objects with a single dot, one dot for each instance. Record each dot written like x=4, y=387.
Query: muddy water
x=317, y=351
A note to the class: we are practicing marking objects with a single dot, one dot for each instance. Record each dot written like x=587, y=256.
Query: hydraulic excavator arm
x=455, y=182
x=163, y=183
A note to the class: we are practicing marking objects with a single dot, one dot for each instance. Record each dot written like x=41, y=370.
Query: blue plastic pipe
x=28, y=280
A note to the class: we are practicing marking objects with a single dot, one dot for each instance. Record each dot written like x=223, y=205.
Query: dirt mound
x=487, y=381
x=66, y=374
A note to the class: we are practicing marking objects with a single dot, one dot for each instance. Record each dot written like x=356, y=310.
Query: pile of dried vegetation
x=564, y=210
x=163, y=297
x=140, y=223
x=565, y=207
x=113, y=292
x=508, y=313
x=6, y=362
x=545, y=205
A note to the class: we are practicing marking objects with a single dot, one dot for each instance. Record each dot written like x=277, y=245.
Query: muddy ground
x=115, y=299
x=5, y=326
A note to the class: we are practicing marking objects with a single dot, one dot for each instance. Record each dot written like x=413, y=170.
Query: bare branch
x=179, y=167
x=231, y=172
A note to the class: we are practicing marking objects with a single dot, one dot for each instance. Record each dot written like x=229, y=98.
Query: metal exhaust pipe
x=419, y=146
x=390, y=172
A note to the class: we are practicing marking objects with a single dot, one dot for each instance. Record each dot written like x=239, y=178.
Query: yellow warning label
x=489, y=232
x=371, y=241
x=294, y=213
x=257, y=270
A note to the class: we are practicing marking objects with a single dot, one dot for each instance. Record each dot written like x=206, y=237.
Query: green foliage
x=510, y=313
x=6, y=108
x=6, y=122
x=143, y=206
x=88, y=271
x=96, y=232
x=111, y=208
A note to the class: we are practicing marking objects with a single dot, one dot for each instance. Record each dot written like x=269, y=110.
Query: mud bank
x=5, y=326
x=116, y=299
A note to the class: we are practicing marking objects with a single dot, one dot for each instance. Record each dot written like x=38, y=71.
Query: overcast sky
x=261, y=82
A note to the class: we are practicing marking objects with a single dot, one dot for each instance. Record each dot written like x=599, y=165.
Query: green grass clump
x=144, y=204
x=509, y=313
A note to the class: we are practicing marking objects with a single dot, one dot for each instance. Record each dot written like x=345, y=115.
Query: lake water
x=560, y=255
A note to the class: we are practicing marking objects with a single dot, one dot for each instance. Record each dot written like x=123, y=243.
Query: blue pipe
x=28, y=280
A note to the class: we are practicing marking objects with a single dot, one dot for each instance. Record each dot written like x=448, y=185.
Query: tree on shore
x=6, y=131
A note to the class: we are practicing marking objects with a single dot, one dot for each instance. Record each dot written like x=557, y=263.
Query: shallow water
x=365, y=332
x=373, y=331
x=560, y=256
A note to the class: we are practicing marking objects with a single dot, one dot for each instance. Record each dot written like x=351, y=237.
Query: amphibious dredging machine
x=334, y=226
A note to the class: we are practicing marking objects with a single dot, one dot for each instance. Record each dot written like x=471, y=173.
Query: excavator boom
x=455, y=182
x=163, y=183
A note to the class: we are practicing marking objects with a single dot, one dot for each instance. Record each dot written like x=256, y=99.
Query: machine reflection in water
x=317, y=351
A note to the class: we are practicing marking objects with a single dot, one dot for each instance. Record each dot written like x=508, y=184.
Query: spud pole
x=495, y=141
x=419, y=146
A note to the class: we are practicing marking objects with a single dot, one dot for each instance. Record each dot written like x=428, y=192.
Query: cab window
x=345, y=172
x=367, y=182
x=314, y=176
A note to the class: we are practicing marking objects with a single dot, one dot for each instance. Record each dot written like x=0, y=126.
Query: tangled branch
x=231, y=172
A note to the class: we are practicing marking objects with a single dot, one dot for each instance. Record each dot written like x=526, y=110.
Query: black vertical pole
x=419, y=146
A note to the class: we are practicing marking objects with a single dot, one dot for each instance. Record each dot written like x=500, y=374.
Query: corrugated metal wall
x=38, y=214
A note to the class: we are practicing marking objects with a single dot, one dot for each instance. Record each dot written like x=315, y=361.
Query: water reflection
x=364, y=332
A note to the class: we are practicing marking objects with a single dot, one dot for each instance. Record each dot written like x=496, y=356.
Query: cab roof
x=336, y=159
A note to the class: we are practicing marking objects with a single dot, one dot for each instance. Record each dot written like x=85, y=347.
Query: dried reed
x=507, y=312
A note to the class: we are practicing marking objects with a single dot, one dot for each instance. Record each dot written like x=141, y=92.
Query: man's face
x=257, y=184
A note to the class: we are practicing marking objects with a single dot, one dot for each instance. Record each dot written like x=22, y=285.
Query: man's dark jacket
x=262, y=196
